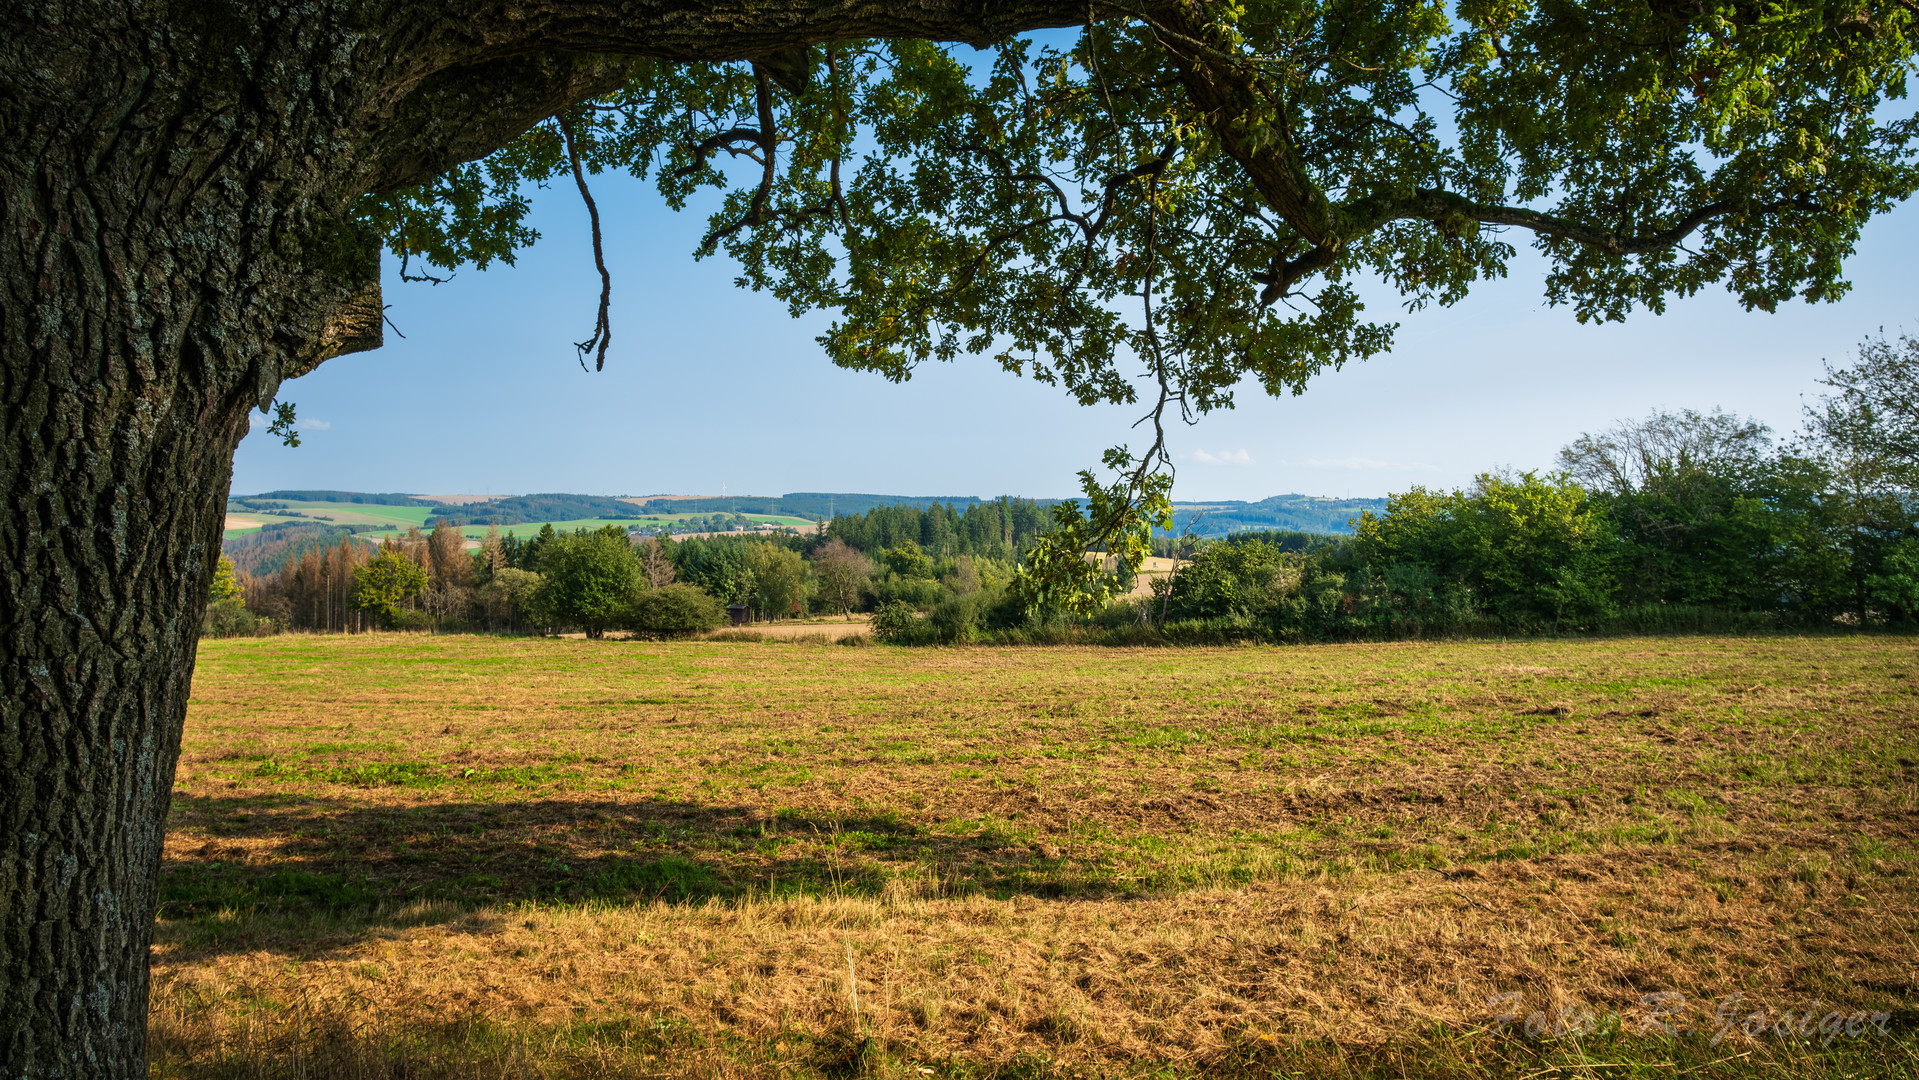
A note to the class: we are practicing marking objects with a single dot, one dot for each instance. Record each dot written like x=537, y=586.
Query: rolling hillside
x=264, y=529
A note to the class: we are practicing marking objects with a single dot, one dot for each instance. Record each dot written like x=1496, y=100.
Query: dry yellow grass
x=828, y=629
x=662, y=857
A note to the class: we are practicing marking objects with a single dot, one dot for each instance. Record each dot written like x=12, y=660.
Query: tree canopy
x=1191, y=193
x=1170, y=200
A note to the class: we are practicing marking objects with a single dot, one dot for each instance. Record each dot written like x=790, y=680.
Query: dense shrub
x=675, y=611
x=230, y=618
x=895, y=623
x=1231, y=579
x=915, y=593
x=1532, y=551
x=959, y=618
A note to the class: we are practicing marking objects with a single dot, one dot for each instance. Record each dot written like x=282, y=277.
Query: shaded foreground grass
x=467, y=857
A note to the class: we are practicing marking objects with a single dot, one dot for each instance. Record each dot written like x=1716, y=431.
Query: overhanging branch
x=474, y=31
x=1444, y=207
x=462, y=114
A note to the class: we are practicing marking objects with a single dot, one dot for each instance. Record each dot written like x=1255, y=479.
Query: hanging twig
x=602, y=328
x=1157, y=455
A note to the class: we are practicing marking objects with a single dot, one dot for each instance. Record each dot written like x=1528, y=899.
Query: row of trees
x=1681, y=520
x=590, y=580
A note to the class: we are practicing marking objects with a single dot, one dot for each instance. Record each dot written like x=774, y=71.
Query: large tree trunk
x=175, y=183
x=165, y=256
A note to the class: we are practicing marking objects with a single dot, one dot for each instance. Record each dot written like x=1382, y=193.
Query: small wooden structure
x=739, y=613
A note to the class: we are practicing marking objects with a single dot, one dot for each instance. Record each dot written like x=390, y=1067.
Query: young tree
x=779, y=578
x=492, y=557
x=384, y=585
x=196, y=196
x=226, y=582
x=656, y=560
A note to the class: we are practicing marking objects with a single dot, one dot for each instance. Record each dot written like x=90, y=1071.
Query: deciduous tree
x=656, y=559
x=590, y=579
x=779, y=578
x=226, y=582
x=842, y=572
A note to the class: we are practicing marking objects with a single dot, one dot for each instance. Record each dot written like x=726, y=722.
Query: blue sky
x=708, y=387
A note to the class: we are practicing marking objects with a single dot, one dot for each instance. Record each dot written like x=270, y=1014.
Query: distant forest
x=524, y=509
x=364, y=498
x=1281, y=513
x=283, y=542
x=1001, y=529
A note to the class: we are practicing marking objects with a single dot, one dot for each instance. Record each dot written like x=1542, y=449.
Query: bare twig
x=602, y=328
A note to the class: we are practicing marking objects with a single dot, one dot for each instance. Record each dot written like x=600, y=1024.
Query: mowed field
x=458, y=856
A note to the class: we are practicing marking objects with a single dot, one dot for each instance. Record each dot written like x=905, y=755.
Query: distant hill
x=268, y=549
x=1293, y=513
x=806, y=504
x=384, y=499
x=524, y=509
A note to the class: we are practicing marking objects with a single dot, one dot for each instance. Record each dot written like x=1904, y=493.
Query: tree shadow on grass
x=311, y=857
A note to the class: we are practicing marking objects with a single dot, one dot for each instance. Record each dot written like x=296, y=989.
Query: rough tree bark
x=174, y=187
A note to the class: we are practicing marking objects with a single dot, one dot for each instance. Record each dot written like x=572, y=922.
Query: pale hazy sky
x=708, y=386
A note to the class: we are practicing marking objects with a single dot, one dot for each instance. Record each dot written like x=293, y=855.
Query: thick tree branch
x=464, y=113
x=463, y=79
x=358, y=326
x=1228, y=92
x=724, y=140
x=1227, y=95
x=475, y=31
x=1286, y=273
x=1442, y=207
x=768, y=137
